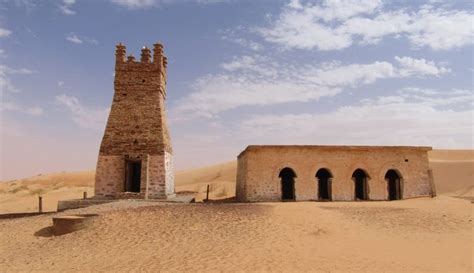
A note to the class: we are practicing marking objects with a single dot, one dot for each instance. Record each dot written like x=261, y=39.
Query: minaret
x=135, y=157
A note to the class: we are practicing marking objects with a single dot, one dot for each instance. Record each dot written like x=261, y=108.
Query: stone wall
x=137, y=127
x=110, y=175
x=259, y=168
x=169, y=174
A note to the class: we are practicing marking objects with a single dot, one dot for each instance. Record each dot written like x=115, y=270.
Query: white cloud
x=73, y=38
x=410, y=66
x=411, y=118
x=142, y=4
x=258, y=81
x=65, y=7
x=207, y=2
x=335, y=25
x=232, y=36
x=5, y=32
x=5, y=83
x=8, y=89
x=83, y=116
x=8, y=70
x=134, y=4
x=14, y=107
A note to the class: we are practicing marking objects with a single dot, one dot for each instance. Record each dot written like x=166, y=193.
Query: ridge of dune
x=451, y=155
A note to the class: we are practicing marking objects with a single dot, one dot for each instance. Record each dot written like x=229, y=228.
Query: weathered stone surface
x=137, y=128
x=259, y=167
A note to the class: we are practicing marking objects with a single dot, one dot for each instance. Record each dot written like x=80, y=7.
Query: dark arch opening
x=394, y=185
x=324, y=184
x=287, y=176
x=360, y=182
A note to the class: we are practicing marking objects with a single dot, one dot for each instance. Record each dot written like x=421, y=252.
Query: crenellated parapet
x=146, y=63
x=128, y=69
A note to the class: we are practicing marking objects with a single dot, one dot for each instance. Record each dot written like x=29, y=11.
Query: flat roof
x=333, y=147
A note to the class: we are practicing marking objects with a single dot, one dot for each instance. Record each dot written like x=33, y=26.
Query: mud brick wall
x=259, y=168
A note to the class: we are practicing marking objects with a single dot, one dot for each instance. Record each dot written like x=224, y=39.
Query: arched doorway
x=324, y=178
x=361, y=191
x=394, y=185
x=287, y=176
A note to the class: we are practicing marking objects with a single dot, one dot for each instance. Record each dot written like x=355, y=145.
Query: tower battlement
x=124, y=62
x=149, y=70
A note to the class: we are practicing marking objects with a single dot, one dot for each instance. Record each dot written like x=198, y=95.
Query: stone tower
x=135, y=157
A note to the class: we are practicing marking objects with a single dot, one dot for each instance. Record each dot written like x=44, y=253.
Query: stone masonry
x=260, y=174
x=136, y=157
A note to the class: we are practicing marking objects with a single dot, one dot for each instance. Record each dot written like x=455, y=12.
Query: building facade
x=136, y=158
x=326, y=173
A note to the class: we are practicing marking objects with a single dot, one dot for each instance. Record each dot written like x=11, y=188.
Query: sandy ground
x=418, y=235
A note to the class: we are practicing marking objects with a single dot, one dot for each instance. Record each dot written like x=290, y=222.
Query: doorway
x=394, y=186
x=133, y=176
x=324, y=178
x=287, y=176
x=359, y=177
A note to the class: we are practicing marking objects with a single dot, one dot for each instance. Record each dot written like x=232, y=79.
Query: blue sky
x=239, y=73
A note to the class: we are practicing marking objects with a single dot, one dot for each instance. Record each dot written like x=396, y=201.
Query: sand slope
x=417, y=235
x=22, y=195
x=453, y=172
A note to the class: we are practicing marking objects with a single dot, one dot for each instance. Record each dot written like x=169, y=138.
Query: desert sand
x=416, y=235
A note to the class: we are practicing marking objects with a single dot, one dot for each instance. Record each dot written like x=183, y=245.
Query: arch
x=287, y=176
x=394, y=184
x=324, y=178
x=361, y=186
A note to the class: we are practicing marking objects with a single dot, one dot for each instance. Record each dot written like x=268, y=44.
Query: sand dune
x=418, y=235
x=453, y=172
x=220, y=178
x=451, y=155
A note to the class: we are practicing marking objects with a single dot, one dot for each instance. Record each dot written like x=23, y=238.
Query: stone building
x=274, y=173
x=135, y=157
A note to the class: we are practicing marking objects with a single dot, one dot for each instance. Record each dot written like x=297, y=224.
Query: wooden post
x=147, y=178
x=432, y=184
x=40, y=204
x=207, y=193
x=84, y=195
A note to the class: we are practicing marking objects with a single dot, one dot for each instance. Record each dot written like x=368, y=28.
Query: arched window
x=394, y=184
x=287, y=176
x=324, y=178
x=361, y=186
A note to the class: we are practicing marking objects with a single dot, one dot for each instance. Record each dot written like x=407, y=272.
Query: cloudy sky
x=240, y=72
